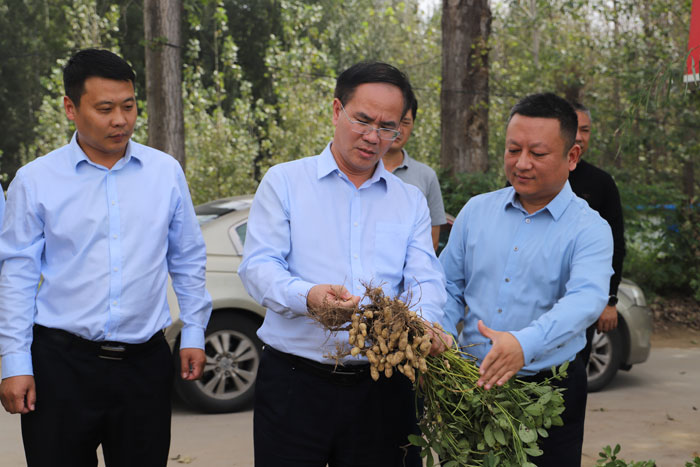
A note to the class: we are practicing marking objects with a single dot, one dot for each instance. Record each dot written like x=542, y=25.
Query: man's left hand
x=608, y=319
x=192, y=363
x=439, y=339
x=504, y=359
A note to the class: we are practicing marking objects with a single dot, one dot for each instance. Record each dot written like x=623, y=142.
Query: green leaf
x=499, y=435
x=451, y=464
x=542, y=432
x=534, y=409
x=488, y=435
x=526, y=435
x=417, y=440
x=533, y=451
x=557, y=421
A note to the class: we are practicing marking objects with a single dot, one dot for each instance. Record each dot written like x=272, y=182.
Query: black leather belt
x=108, y=350
x=337, y=374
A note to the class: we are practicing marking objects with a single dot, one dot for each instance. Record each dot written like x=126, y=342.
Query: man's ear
x=574, y=156
x=336, y=111
x=69, y=107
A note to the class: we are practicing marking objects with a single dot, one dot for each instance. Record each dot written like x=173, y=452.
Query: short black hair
x=373, y=72
x=549, y=105
x=579, y=107
x=93, y=62
x=414, y=105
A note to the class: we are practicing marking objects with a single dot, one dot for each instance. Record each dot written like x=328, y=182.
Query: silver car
x=625, y=346
x=231, y=345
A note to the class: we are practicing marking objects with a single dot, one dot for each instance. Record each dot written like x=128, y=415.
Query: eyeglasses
x=386, y=134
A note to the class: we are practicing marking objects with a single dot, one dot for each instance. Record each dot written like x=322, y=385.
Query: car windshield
x=214, y=209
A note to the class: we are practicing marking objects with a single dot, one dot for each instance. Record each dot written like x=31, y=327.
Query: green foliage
x=608, y=458
x=663, y=238
x=466, y=425
x=221, y=142
x=89, y=28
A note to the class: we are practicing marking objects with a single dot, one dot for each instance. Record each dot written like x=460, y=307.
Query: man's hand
x=608, y=319
x=192, y=363
x=504, y=359
x=439, y=339
x=18, y=394
x=334, y=295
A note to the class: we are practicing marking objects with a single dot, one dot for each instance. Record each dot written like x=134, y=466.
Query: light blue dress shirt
x=310, y=225
x=2, y=203
x=544, y=277
x=104, y=242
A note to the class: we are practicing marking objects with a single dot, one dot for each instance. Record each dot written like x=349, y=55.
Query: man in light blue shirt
x=531, y=265
x=96, y=226
x=320, y=228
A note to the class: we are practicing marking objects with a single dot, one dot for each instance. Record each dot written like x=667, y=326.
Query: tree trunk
x=466, y=25
x=166, y=126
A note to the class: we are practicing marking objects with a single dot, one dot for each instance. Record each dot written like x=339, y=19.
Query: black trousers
x=564, y=445
x=302, y=419
x=84, y=401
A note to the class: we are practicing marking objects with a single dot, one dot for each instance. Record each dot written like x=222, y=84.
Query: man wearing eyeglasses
x=320, y=228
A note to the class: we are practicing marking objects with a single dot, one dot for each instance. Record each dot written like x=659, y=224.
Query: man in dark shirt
x=598, y=188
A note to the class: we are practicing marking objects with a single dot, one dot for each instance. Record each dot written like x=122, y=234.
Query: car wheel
x=606, y=355
x=233, y=354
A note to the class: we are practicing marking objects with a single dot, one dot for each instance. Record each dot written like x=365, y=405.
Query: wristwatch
x=612, y=300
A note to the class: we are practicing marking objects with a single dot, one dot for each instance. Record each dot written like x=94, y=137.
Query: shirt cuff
x=16, y=364
x=192, y=337
x=296, y=296
x=529, y=340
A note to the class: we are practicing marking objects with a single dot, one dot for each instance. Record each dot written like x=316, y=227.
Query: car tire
x=605, y=359
x=233, y=353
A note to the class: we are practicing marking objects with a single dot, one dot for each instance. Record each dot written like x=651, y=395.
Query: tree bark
x=466, y=25
x=163, y=31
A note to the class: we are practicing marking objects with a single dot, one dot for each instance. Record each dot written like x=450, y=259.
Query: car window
x=241, y=230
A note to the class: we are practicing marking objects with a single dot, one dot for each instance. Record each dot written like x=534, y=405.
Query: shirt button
x=115, y=236
x=355, y=224
x=515, y=249
x=116, y=269
x=354, y=256
x=500, y=310
x=527, y=221
x=507, y=279
x=113, y=203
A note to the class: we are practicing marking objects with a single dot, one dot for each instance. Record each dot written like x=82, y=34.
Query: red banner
x=692, y=73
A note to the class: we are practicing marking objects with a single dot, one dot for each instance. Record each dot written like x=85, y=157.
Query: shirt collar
x=556, y=207
x=328, y=165
x=406, y=162
x=78, y=156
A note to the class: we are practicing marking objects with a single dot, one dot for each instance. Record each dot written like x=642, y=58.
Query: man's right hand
x=18, y=394
x=333, y=295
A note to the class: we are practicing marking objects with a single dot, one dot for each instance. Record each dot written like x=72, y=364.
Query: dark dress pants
x=564, y=445
x=303, y=420
x=84, y=401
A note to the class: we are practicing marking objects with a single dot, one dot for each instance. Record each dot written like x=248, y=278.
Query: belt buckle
x=112, y=352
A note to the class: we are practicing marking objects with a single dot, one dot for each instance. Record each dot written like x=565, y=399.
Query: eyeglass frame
x=364, y=125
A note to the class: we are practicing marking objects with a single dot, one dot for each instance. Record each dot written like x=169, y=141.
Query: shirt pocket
x=390, y=245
